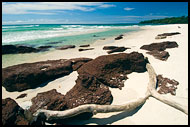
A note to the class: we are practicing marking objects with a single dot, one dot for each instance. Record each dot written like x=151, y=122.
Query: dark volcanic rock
x=160, y=46
x=12, y=113
x=88, y=90
x=169, y=34
x=114, y=49
x=22, y=96
x=14, y=49
x=78, y=62
x=84, y=45
x=166, y=85
x=50, y=100
x=111, y=70
x=119, y=37
x=44, y=48
x=55, y=42
x=118, y=49
x=66, y=47
x=95, y=36
x=31, y=75
x=109, y=47
x=85, y=49
x=161, y=55
x=92, y=83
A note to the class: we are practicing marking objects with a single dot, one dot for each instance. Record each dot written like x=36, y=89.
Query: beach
x=153, y=112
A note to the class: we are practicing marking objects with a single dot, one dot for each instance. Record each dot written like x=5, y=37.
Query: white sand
x=153, y=112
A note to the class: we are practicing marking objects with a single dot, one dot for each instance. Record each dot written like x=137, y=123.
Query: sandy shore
x=153, y=112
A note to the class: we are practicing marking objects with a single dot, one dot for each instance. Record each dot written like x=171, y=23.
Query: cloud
x=36, y=21
x=107, y=5
x=29, y=7
x=128, y=9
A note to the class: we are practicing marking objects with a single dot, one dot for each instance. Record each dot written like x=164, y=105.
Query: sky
x=89, y=12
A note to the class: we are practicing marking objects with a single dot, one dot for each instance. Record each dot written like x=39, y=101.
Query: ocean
x=47, y=34
x=56, y=35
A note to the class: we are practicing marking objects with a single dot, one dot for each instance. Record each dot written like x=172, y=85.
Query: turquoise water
x=55, y=35
x=44, y=34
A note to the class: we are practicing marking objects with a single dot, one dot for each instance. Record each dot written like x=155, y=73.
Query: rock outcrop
x=12, y=113
x=119, y=37
x=166, y=85
x=111, y=70
x=84, y=45
x=160, y=46
x=66, y=47
x=157, y=49
x=164, y=35
x=15, y=49
x=113, y=49
x=50, y=100
x=85, y=49
x=169, y=34
x=31, y=75
x=93, y=82
x=161, y=55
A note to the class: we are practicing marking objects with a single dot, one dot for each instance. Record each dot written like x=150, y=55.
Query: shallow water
x=56, y=35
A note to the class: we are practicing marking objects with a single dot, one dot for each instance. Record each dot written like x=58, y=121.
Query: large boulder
x=78, y=62
x=12, y=113
x=14, y=49
x=161, y=55
x=50, y=100
x=111, y=70
x=160, y=46
x=31, y=75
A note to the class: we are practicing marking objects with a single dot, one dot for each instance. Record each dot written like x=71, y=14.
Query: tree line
x=172, y=20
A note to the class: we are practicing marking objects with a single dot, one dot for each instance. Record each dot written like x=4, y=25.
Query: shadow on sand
x=105, y=121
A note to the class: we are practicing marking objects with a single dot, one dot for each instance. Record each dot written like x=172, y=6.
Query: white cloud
x=107, y=5
x=128, y=9
x=36, y=21
x=29, y=7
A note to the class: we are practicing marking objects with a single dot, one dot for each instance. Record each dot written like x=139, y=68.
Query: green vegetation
x=172, y=20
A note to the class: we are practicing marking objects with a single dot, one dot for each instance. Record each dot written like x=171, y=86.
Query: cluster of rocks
x=157, y=49
x=164, y=35
x=119, y=37
x=92, y=85
x=15, y=49
x=12, y=113
x=113, y=49
x=66, y=47
x=31, y=75
x=166, y=85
